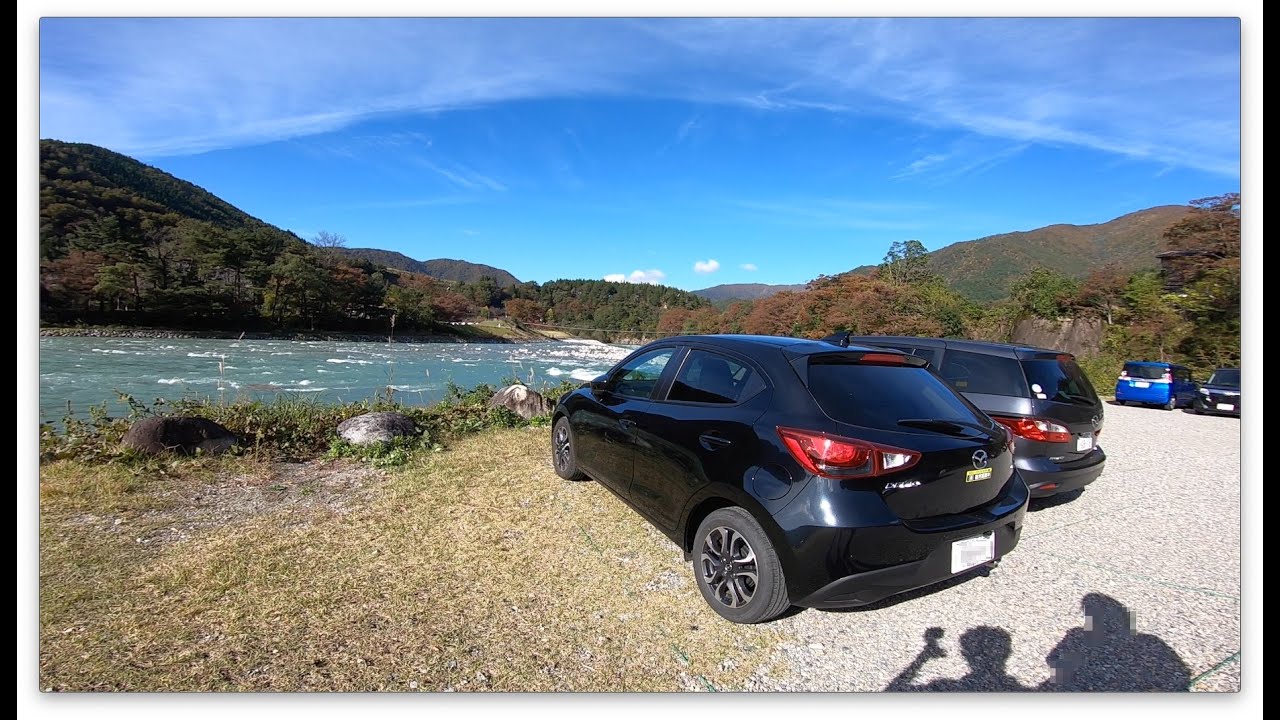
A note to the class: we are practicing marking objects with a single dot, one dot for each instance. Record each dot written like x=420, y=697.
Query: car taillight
x=1036, y=429
x=841, y=458
x=1123, y=374
x=1166, y=378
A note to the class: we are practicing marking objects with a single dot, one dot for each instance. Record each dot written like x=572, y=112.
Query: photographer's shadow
x=1107, y=654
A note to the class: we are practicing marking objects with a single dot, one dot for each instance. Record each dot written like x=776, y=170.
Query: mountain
x=463, y=271
x=983, y=269
x=744, y=291
x=83, y=185
x=440, y=268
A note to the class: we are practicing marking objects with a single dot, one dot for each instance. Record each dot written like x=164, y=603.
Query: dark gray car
x=1039, y=394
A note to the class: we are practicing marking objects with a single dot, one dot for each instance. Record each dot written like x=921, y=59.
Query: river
x=85, y=371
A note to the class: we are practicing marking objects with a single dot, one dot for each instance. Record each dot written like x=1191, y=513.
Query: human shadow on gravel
x=1107, y=654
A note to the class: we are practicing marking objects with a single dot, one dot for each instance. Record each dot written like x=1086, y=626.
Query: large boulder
x=175, y=433
x=521, y=400
x=376, y=427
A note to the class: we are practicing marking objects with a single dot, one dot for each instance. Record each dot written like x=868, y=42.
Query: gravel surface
x=1153, y=545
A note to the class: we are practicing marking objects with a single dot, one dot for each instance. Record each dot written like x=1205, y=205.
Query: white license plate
x=972, y=552
x=1225, y=406
x=1141, y=383
x=1084, y=442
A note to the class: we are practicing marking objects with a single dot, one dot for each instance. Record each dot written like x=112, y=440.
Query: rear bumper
x=838, y=567
x=868, y=587
x=1157, y=394
x=1045, y=477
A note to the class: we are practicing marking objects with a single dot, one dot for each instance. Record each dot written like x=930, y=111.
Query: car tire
x=564, y=451
x=1173, y=403
x=750, y=588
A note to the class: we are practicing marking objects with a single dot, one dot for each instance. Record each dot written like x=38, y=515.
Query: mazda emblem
x=1097, y=421
x=980, y=459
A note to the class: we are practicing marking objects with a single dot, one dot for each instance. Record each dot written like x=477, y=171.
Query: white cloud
x=705, y=267
x=646, y=277
x=1160, y=89
x=749, y=267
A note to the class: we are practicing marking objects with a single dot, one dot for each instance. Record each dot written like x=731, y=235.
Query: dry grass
x=472, y=569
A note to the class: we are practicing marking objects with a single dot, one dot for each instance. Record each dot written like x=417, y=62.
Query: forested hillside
x=440, y=268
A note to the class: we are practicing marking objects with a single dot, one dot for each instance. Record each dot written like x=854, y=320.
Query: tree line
x=1188, y=311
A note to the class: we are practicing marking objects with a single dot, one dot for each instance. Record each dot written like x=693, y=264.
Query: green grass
x=286, y=427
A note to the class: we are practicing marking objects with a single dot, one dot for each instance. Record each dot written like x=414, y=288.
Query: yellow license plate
x=977, y=475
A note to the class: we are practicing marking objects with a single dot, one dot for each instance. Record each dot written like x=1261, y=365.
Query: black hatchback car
x=794, y=472
x=1039, y=394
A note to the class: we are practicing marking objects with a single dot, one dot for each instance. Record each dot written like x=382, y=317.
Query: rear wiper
x=952, y=427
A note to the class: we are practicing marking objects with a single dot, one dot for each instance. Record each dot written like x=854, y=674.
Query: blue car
x=1160, y=384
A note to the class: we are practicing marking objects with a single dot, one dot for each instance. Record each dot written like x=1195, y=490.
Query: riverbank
x=477, y=333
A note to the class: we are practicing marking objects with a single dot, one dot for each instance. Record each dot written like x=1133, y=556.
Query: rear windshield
x=971, y=372
x=1225, y=376
x=1060, y=380
x=878, y=396
x=1144, y=372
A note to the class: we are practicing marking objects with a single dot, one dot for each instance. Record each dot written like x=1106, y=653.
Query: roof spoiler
x=841, y=338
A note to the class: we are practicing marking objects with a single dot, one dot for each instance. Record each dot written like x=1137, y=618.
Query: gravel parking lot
x=1152, y=549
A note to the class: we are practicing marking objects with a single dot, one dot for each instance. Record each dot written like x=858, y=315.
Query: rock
x=521, y=400
x=186, y=435
x=376, y=427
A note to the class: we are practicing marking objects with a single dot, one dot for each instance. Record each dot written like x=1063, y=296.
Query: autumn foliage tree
x=524, y=311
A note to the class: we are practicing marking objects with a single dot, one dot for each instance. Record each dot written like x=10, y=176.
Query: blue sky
x=691, y=152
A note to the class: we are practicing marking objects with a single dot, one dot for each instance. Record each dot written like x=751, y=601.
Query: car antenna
x=840, y=338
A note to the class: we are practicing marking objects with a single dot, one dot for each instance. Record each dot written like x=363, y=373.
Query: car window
x=708, y=377
x=1144, y=372
x=640, y=375
x=979, y=373
x=879, y=396
x=1059, y=379
x=1225, y=376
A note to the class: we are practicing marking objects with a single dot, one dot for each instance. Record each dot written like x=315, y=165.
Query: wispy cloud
x=647, y=277
x=404, y=204
x=1159, y=89
x=964, y=157
x=706, y=267
x=749, y=267
x=462, y=176
x=915, y=167
x=835, y=212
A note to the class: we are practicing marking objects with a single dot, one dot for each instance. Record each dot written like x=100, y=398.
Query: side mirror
x=600, y=385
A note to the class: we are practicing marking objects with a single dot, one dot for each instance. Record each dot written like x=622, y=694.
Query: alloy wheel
x=563, y=446
x=728, y=566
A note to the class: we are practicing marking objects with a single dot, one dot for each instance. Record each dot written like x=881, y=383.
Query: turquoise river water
x=85, y=371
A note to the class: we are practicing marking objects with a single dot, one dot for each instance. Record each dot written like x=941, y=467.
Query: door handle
x=713, y=441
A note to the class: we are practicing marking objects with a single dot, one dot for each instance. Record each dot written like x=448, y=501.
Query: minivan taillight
x=841, y=458
x=1036, y=429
